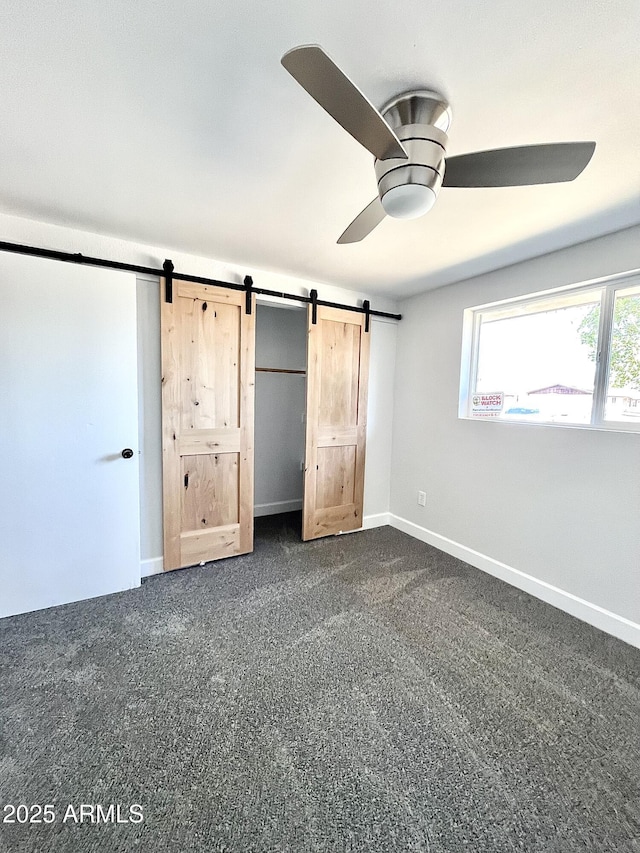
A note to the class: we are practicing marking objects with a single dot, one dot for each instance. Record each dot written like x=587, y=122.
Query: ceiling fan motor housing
x=408, y=188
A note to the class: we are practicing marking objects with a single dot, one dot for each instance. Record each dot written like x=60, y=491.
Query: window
x=565, y=357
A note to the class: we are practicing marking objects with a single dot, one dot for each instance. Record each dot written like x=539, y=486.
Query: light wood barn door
x=337, y=374
x=208, y=355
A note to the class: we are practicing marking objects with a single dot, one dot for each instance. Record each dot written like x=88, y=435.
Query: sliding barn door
x=208, y=343
x=337, y=373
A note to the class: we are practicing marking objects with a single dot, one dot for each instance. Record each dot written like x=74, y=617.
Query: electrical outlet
x=422, y=498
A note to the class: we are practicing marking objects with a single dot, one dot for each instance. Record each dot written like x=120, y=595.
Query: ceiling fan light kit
x=408, y=188
x=408, y=139
x=408, y=200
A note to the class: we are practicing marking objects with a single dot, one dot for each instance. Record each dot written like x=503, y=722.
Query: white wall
x=376, y=500
x=281, y=342
x=559, y=505
x=382, y=367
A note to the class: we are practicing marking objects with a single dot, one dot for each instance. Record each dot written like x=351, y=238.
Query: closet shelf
x=279, y=370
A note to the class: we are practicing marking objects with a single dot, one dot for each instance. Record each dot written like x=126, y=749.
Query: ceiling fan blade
x=364, y=223
x=518, y=167
x=332, y=89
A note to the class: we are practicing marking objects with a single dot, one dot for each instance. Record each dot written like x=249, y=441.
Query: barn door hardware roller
x=167, y=266
x=366, y=307
x=313, y=298
x=248, y=286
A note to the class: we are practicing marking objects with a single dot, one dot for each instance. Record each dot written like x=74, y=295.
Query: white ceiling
x=174, y=124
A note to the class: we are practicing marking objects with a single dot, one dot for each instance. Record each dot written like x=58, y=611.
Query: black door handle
x=127, y=453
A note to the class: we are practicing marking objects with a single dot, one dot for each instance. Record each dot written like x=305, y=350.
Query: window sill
x=613, y=426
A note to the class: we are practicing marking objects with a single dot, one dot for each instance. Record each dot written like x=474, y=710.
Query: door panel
x=211, y=385
x=70, y=522
x=210, y=490
x=335, y=484
x=207, y=414
x=339, y=371
x=338, y=364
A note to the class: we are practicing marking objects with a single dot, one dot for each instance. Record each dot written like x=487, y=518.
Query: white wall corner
x=380, y=519
x=153, y=566
x=618, y=626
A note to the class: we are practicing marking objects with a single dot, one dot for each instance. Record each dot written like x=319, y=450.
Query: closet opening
x=280, y=404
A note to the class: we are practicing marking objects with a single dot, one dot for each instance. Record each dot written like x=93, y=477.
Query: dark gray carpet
x=360, y=693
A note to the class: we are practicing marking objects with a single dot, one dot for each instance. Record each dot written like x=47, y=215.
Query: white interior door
x=69, y=508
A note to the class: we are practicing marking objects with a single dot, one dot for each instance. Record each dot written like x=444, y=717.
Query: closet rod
x=278, y=370
x=77, y=258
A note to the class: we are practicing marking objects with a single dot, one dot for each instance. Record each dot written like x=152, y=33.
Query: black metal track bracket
x=167, y=266
x=366, y=307
x=248, y=286
x=313, y=296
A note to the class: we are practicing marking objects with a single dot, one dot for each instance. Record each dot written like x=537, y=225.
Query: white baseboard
x=276, y=507
x=154, y=566
x=378, y=520
x=593, y=614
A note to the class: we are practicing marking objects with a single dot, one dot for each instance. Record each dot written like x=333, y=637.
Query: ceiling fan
x=408, y=138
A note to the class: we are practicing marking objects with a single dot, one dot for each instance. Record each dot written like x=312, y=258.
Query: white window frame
x=472, y=320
